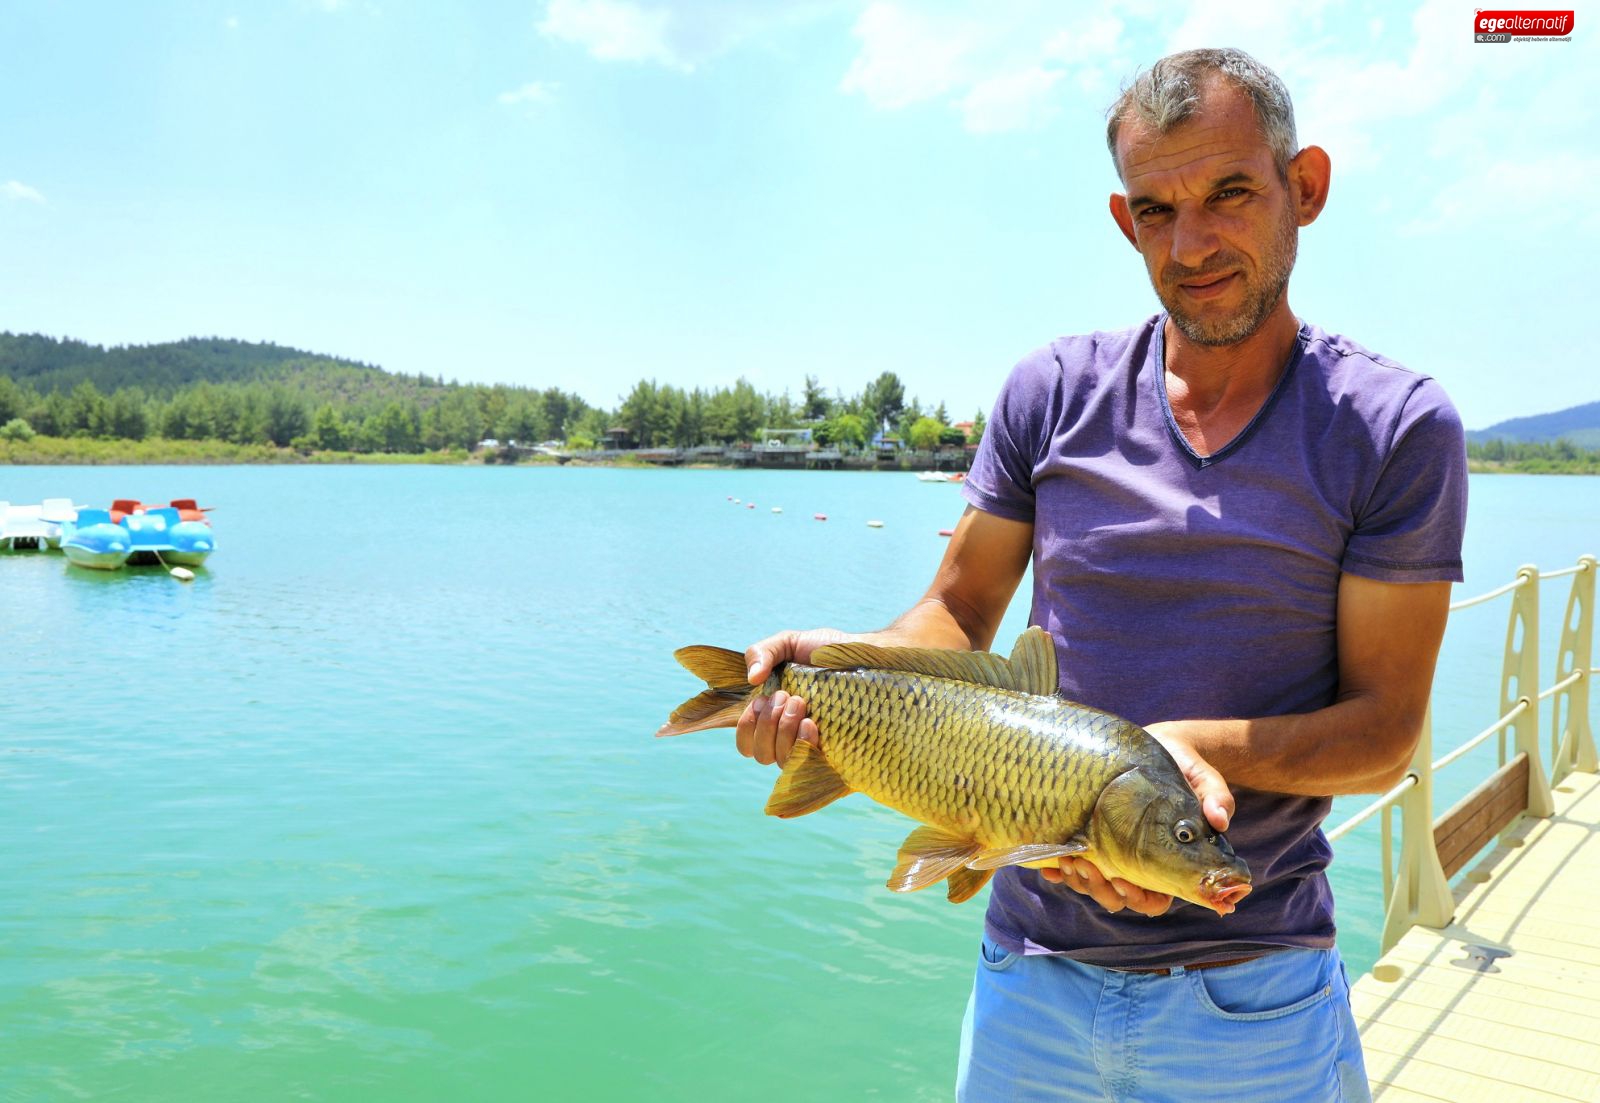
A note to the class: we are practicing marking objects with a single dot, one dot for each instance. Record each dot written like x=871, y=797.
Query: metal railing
x=1419, y=890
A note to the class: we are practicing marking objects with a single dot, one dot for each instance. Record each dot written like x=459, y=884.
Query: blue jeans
x=1274, y=1030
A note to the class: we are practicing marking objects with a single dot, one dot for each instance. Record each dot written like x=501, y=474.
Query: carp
x=985, y=753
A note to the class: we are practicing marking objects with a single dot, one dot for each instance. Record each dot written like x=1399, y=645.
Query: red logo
x=1523, y=23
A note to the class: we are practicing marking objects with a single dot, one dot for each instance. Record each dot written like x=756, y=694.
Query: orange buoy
x=819, y=516
x=947, y=532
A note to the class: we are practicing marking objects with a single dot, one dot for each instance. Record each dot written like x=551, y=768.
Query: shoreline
x=88, y=452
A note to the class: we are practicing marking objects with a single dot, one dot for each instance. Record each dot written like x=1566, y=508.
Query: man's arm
x=1388, y=640
x=962, y=609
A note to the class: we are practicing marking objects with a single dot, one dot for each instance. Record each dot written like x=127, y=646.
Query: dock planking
x=1435, y=1029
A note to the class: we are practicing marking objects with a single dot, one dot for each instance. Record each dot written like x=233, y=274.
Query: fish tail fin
x=721, y=705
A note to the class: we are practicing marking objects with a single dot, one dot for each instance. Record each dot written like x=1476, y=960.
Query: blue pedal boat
x=161, y=534
x=93, y=540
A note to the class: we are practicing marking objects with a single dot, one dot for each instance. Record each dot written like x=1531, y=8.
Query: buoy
x=750, y=505
x=182, y=574
x=874, y=524
x=777, y=509
x=947, y=532
x=735, y=501
x=819, y=516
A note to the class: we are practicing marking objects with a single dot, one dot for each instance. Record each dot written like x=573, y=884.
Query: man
x=1243, y=532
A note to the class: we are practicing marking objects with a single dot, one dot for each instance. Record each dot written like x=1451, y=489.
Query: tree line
x=287, y=416
x=319, y=404
x=656, y=415
x=1559, y=457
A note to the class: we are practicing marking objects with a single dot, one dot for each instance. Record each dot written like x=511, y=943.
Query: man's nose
x=1194, y=238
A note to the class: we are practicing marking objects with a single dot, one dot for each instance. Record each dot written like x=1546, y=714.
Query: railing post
x=1522, y=668
x=1421, y=890
x=1574, y=747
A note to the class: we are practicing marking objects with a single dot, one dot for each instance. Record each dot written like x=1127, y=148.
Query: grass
x=43, y=450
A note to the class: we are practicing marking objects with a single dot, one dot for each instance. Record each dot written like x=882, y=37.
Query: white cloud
x=14, y=190
x=909, y=56
x=613, y=30
x=677, y=34
x=1512, y=196
x=1013, y=101
x=532, y=93
x=1000, y=69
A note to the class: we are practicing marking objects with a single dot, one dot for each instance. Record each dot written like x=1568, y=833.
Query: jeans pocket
x=1272, y=987
x=995, y=957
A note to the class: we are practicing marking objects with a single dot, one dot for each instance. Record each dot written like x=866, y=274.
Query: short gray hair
x=1168, y=93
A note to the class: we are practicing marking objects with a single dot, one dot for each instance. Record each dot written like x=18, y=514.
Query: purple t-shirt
x=1185, y=587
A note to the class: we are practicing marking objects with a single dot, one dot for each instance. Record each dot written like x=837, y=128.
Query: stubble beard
x=1260, y=300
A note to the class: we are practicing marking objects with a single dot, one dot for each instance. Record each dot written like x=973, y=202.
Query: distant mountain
x=1579, y=424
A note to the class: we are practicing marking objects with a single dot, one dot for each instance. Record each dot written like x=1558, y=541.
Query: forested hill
x=1578, y=424
x=243, y=393
x=48, y=365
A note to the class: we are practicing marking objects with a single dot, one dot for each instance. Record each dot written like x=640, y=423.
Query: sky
x=586, y=193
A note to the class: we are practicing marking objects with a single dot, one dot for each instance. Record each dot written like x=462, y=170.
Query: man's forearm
x=932, y=622
x=1359, y=745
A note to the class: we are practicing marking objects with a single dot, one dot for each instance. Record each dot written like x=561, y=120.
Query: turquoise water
x=370, y=810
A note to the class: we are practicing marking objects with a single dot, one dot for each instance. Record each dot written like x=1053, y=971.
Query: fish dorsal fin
x=1033, y=663
x=1031, y=668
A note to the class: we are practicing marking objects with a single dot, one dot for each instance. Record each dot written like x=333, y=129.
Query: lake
x=371, y=809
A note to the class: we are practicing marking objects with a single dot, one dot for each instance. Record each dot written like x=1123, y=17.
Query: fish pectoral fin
x=965, y=883
x=807, y=783
x=930, y=854
x=998, y=856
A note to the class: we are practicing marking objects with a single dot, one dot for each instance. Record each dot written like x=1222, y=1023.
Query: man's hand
x=1114, y=894
x=1216, y=799
x=982, y=565
x=769, y=727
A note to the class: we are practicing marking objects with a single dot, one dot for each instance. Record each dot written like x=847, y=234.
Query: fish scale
x=984, y=753
x=1024, y=779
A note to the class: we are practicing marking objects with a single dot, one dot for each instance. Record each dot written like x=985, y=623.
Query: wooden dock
x=1503, y=1005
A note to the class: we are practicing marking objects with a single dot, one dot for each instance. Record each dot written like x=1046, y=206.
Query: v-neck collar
x=1159, y=381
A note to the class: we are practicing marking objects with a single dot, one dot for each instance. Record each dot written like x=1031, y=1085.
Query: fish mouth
x=1222, y=889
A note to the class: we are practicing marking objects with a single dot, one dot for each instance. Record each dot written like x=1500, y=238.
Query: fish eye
x=1184, y=831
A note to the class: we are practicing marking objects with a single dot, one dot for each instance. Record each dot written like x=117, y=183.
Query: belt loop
x=1177, y=971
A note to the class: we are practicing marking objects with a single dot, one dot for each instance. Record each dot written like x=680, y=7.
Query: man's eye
x=1230, y=193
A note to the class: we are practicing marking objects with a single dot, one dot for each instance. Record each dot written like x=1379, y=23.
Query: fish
x=997, y=767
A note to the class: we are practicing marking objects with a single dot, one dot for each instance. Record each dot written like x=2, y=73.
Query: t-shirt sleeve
x=1001, y=479
x=1412, y=526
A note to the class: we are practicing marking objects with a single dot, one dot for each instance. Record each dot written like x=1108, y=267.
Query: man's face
x=1211, y=217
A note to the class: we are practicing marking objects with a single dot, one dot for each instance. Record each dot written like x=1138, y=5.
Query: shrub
x=16, y=429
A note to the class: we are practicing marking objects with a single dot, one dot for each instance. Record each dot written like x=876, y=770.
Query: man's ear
x=1124, y=217
x=1310, y=173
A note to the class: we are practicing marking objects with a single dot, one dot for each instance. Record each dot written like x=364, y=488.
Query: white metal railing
x=1419, y=892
